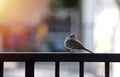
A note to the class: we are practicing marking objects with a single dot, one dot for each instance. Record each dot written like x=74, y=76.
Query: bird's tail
x=88, y=50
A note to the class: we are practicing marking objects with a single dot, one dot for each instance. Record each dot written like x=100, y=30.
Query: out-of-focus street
x=47, y=69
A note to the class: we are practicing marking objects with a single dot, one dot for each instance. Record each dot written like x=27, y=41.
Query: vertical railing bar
x=1, y=68
x=57, y=70
x=107, y=69
x=29, y=69
x=81, y=69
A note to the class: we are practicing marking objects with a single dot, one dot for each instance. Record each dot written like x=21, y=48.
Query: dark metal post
x=57, y=70
x=1, y=68
x=107, y=73
x=81, y=66
x=29, y=69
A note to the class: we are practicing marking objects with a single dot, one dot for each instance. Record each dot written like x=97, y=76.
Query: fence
x=31, y=58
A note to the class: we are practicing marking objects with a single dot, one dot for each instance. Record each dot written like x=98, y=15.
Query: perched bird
x=72, y=43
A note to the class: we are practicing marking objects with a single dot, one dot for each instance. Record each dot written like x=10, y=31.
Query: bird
x=71, y=43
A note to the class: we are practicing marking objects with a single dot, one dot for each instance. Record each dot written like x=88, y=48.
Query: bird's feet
x=71, y=51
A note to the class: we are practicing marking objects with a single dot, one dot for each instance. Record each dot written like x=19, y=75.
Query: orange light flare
x=27, y=11
x=2, y=7
x=23, y=13
x=2, y=3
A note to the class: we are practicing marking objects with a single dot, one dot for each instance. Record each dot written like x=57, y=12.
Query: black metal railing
x=31, y=58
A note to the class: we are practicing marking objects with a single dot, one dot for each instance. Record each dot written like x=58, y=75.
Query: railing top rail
x=59, y=56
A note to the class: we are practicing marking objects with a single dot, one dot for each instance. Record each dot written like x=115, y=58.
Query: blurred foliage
x=65, y=3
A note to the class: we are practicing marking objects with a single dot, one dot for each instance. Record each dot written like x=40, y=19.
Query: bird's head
x=72, y=36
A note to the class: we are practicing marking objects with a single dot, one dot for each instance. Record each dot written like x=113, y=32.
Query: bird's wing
x=73, y=44
x=78, y=41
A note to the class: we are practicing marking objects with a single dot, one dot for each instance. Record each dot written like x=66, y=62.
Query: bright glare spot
x=104, y=23
x=1, y=3
x=108, y=17
x=116, y=39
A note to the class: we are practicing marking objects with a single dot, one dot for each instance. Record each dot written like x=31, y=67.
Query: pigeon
x=72, y=43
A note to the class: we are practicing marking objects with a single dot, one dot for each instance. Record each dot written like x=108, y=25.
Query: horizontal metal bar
x=102, y=57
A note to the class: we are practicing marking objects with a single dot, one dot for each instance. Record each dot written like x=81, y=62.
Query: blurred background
x=42, y=26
